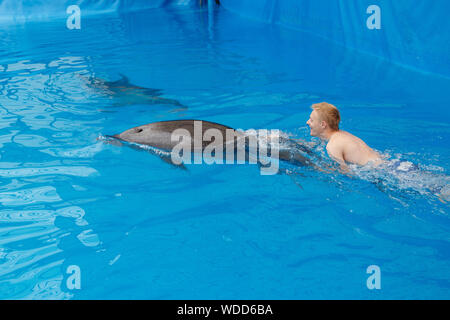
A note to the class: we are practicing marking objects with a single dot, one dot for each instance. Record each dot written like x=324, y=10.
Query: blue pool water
x=138, y=228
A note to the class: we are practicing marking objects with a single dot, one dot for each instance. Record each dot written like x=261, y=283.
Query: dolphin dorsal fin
x=123, y=80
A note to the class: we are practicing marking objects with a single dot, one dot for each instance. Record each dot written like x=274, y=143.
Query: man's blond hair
x=328, y=113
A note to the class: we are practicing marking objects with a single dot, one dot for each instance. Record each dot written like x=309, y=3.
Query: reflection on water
x=28, y=172
x=30, y=259
x=35, y=101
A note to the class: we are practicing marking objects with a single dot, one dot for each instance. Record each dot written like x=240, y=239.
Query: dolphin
x=159, y=135
x=125, y=93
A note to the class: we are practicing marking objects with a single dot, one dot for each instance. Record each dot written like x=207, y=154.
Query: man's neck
x=327, y=134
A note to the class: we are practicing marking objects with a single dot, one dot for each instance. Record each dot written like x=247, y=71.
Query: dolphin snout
x=116, y=141
x=115, y=136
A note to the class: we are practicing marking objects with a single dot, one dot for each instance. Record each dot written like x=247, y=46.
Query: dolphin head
x=149, y=134
x=138, y=134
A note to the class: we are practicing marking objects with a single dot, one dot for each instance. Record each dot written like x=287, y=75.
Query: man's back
x=345, y=147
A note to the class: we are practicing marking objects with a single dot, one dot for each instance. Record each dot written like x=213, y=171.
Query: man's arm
x=336, y=152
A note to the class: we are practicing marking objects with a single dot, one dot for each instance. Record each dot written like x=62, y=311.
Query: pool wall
x=414, y=33
x=31, y=10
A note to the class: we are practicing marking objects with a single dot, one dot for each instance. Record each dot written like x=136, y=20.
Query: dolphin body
x=124, y=93
x=159, y=135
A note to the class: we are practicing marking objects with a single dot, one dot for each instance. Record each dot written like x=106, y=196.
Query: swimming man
x=342, y=146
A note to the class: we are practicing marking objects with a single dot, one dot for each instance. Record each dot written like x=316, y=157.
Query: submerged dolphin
x=125, y=93
x=159, y=135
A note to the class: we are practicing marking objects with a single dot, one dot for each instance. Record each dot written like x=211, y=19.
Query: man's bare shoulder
x=342, y=142
x=339, y=135
x=344, y=138
x=336, y=142
x=339, y=138
x=335, y=149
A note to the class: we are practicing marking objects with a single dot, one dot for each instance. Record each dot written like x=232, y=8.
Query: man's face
x=315, y=124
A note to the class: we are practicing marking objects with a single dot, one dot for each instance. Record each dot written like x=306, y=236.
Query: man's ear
x=323, y=124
